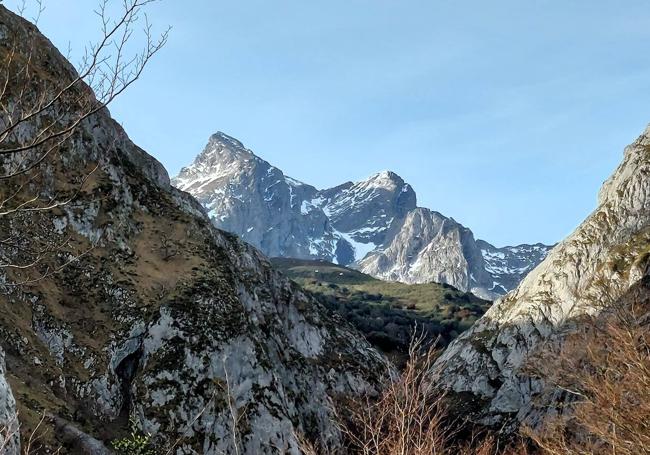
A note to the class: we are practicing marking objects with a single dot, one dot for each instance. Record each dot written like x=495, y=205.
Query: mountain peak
x=226, y=140
x=385, y=176
x=390, y=181
x=385, y=180
x=222, y=156
x=222, y=148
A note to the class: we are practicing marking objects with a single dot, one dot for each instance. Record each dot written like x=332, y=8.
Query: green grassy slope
x=387, y=312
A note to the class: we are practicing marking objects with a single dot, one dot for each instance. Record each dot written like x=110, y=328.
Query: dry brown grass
x=409, y=417
x=605, y=373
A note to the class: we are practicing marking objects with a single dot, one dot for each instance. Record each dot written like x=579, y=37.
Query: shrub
x=603, y=374
x=136, y=443
x=409, y=417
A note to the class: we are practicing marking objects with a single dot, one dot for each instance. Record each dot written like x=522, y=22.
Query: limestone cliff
x=585, y=273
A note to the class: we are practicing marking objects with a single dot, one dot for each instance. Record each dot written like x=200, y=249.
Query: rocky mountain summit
x=141, y=309
x=374, y=225
x=595, y=267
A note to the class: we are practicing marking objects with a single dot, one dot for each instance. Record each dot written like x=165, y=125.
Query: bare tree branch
x=44, y=114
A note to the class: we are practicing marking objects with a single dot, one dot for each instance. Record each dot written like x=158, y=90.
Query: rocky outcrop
x=584, y=274
x=73, y=437
x=283, y=217
x=366, y=210
x=374, y=225
x=509, y=265
x=430, y=245
x=9, y=427
x=145, y=310
x=244, y=194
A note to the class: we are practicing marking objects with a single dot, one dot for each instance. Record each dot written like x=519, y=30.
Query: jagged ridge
x=374, y=224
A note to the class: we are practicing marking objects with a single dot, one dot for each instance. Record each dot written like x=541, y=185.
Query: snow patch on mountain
x=361, y=249
x=374, y=225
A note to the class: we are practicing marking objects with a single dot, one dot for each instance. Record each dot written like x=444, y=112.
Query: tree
x=41, y=118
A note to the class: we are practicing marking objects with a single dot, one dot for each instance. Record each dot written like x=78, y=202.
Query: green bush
x=136, y=443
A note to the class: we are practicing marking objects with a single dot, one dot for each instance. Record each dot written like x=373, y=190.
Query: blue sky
x=506, y=115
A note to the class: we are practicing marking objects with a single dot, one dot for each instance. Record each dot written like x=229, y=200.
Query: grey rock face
x=374, y=225
x=430, y=247
x=584, y=274
x=509, y=265
x=369, y=208
x=245, y=195
x=283, y=217
x=9, y=426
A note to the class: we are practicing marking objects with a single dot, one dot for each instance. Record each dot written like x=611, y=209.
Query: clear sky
x=506, y=115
